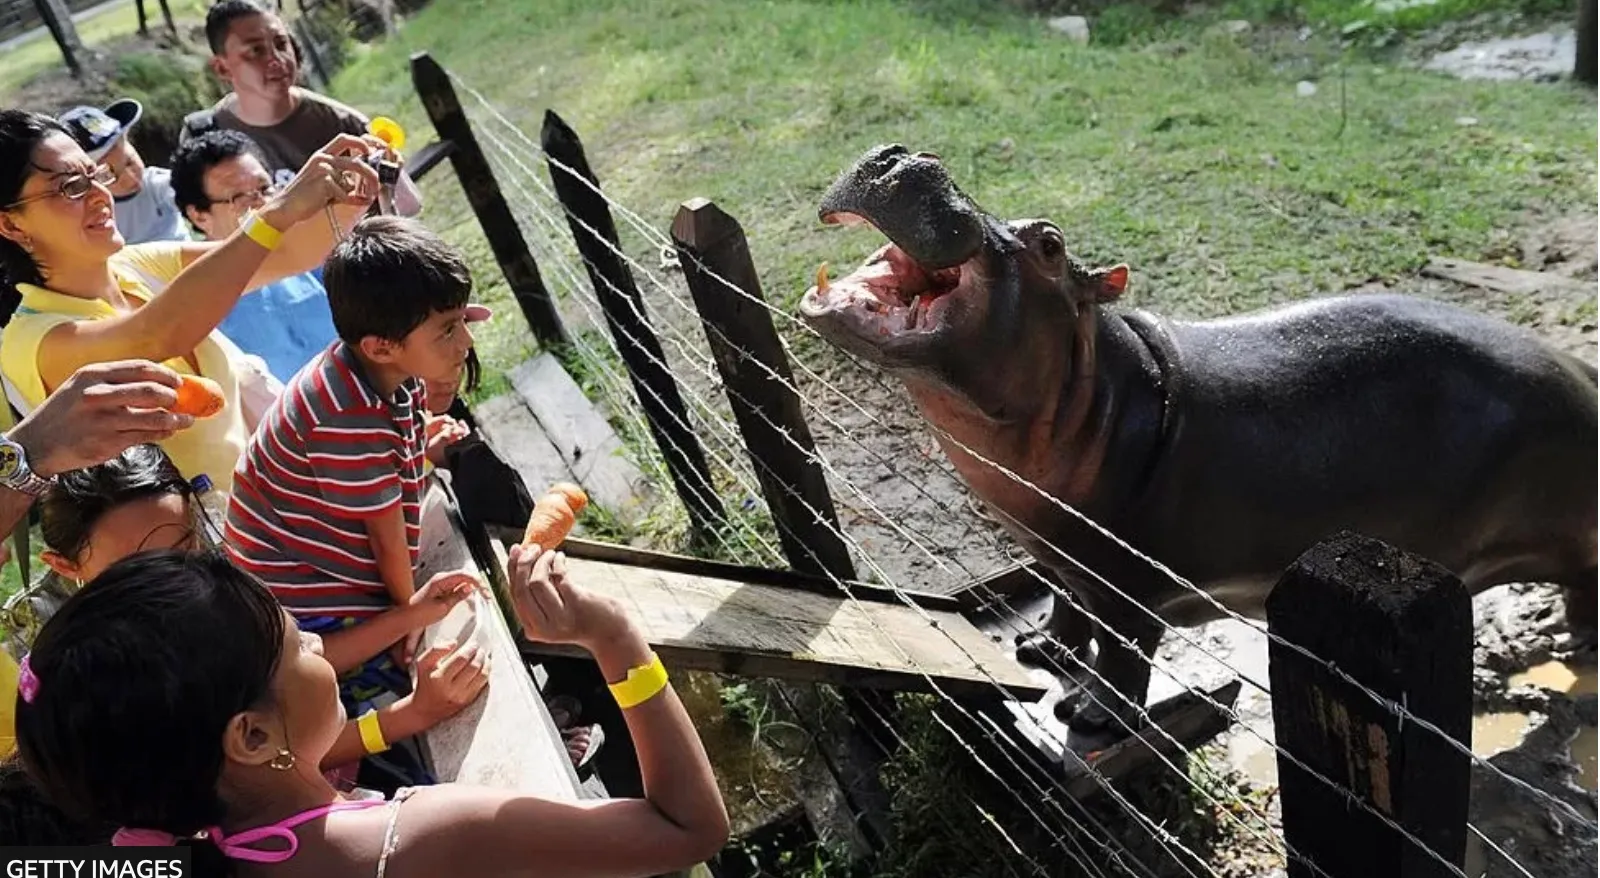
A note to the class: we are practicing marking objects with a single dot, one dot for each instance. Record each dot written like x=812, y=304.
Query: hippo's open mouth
x=890, y=294
x=915, y=286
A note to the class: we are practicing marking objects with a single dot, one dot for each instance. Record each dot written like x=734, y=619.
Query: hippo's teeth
x=822, y=279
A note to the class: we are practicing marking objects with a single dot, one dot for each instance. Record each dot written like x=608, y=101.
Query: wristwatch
x=15, y=472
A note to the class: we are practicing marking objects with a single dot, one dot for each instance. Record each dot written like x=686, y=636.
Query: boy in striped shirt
x=327, y=501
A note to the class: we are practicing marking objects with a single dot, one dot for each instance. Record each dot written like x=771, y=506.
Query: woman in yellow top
x=83, y=297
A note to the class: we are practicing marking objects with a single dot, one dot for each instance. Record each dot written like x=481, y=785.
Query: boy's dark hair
x=223, y=14
x=389, y=275
x=79, y=499
x=193, y=158
x=139, y=673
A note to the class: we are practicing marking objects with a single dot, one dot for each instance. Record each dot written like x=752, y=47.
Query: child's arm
x=347, y=649
x=448, y=679
x=387, y=531
x=679, y=822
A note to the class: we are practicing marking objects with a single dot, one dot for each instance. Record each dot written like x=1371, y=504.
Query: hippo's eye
x=1051, y=245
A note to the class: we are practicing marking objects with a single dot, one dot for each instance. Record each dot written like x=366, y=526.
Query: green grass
x=1197, y=164
x=40, y=55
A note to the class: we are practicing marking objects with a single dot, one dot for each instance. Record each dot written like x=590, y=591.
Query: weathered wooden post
x=483, y=193
x=1402, y=627
x=58, y=19
x=712, y=249
x=589, y=218
x=755, y=373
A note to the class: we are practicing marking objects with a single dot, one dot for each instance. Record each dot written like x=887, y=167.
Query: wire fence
x=890, y=502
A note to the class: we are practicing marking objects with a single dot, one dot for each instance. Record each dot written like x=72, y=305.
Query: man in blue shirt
x=217, y=179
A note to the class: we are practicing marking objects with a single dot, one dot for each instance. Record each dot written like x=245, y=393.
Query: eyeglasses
x=72, y=186
x=245, y=200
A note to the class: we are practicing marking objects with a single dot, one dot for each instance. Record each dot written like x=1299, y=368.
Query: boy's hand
x=448, y=679
x=443, y=431
x=432, y=602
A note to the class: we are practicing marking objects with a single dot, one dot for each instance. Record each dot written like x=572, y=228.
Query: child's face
x=436, y=351
x=258, y=58
x=126, y=163
x=306, y=692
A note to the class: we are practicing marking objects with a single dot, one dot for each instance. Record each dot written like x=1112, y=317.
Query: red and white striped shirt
x=329, y=454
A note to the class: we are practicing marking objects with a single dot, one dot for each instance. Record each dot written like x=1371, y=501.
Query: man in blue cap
x=142, y=196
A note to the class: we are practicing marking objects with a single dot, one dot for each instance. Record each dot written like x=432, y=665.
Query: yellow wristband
x=371, y=732
x=258, y=231
x=642, y=684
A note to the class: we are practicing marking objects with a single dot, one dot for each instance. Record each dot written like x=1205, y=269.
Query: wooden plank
x=591, y=449
x=505, y=739
x=594, y=551
x=702, y=623
x=513, y=430
x=1502, y=279
x=428, y=158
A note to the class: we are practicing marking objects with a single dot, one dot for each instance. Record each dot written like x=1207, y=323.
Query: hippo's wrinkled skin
x=1223, y=449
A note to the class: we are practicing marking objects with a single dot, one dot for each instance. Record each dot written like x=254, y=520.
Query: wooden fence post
x=58, y=19
x=1402, y=627
x=589, y=218
x=722, y=277
x=711, y=247
x=483, y=192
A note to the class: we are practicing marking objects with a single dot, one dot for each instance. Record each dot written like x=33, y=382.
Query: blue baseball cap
x=97, y=130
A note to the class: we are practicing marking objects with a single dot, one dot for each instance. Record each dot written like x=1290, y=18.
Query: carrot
x=576, y=498
x=198, y=396
x=551, y=521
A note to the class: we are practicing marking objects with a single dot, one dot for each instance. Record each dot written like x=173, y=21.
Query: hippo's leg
x=1113, y=697
x=1062, y=645
x=1579, y=596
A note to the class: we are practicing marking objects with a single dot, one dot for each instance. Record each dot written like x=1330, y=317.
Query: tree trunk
x=1584, y=70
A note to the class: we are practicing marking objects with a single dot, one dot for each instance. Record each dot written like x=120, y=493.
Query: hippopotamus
x=1222, y=449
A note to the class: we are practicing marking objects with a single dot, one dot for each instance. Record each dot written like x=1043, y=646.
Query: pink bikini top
x=238, y=845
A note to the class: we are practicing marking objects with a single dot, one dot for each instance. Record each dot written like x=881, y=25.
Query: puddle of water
x=1558, y=676
x=1584, y=753
x=1497, y=732
x=1261, y=766
x=1562, y=677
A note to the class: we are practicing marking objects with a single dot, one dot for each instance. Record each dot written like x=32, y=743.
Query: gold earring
x=27, y=245
x=283, y=761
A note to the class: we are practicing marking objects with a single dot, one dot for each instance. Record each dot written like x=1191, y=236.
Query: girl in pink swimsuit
x=174, y=698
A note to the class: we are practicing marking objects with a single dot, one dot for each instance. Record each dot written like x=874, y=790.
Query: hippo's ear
x=1107, y=284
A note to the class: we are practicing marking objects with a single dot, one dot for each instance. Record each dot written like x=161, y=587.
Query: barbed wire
x=529, y=200
x=1387, y=703
x=1204, y=695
